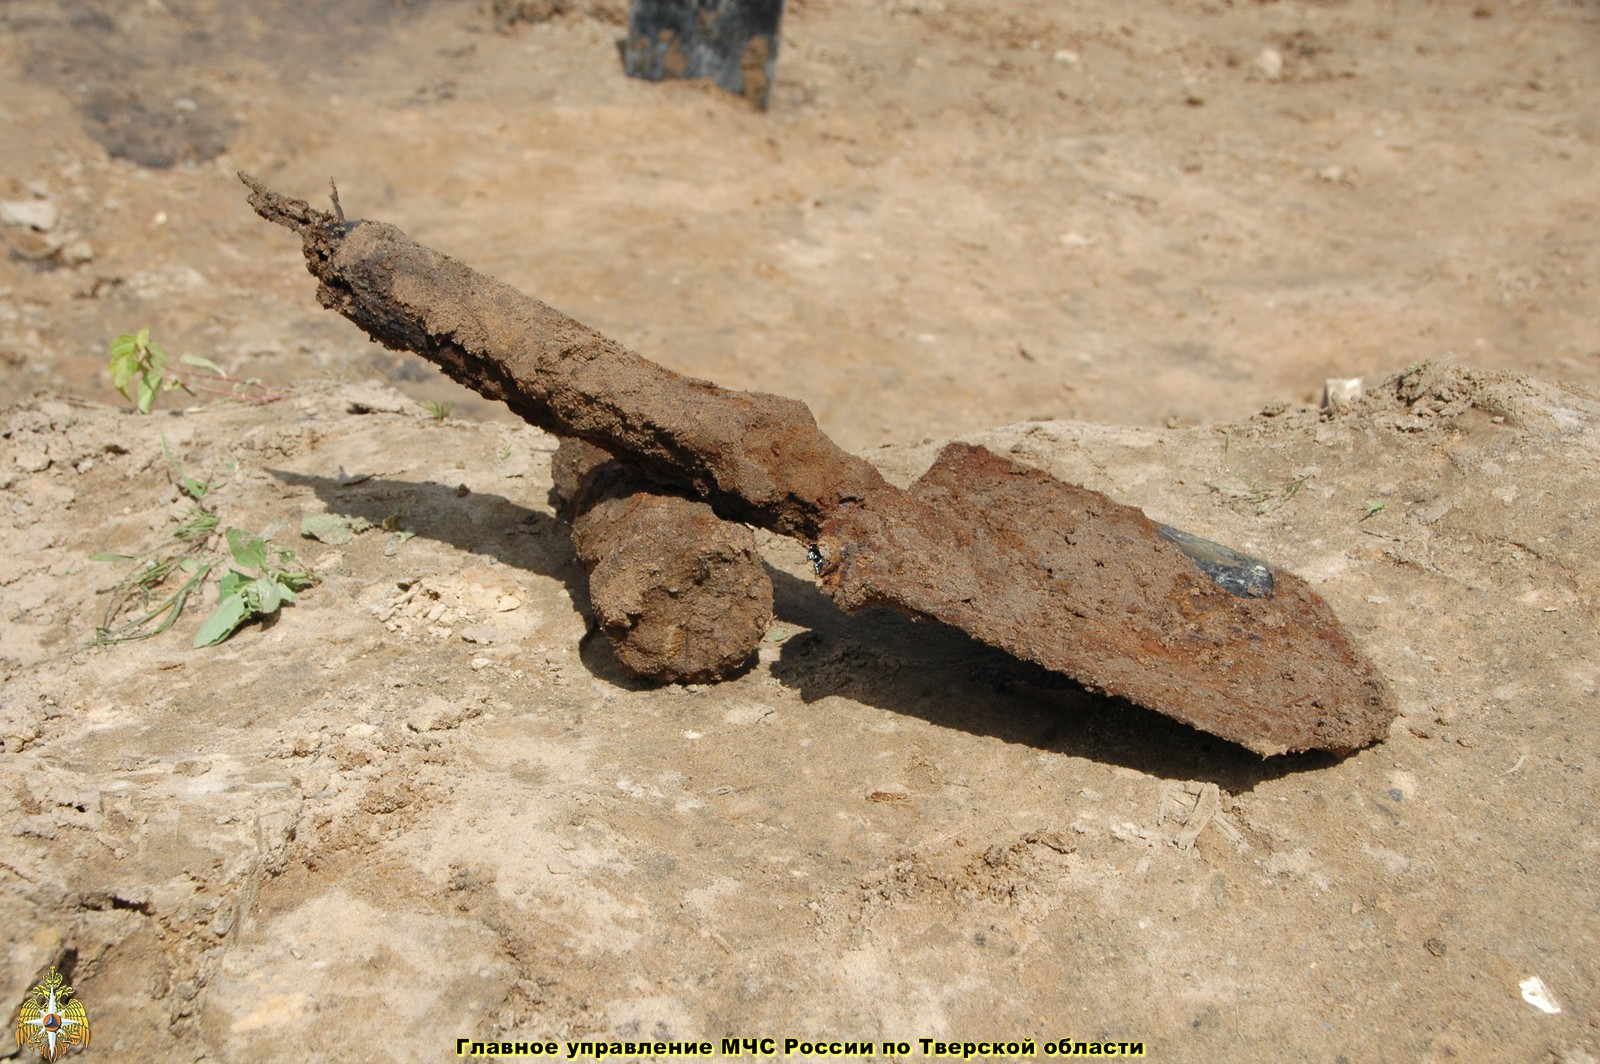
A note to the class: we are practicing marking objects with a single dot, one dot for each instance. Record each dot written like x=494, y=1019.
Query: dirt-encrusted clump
x=680, y=593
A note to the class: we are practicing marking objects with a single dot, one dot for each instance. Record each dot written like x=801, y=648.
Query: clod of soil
x=680, y=593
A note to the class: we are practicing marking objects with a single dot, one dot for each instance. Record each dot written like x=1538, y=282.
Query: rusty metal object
x=1066, y=577
x=732, y=42
x=1050, y=572
x=680, y=594
x=756, y=458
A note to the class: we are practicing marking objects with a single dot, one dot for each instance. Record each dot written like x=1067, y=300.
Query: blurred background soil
x=955, y=214
x=1124, y=243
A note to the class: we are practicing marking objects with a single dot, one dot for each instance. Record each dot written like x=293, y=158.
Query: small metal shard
x=1237, y=574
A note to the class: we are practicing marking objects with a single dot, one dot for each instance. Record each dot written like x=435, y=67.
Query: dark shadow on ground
x=477, y=523
x=919, y=669
x=930, y=670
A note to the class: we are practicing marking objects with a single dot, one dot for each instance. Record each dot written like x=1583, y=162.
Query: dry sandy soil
x=425, y=802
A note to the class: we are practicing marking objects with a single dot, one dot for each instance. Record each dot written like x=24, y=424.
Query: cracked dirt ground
x=426, y=796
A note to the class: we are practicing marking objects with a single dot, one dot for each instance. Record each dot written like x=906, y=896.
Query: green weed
x=141, y=369
x=264, y=579
x=1259, y=497
x=1248, y=495
x=274, y=577
x=141, y=585
x=139, y=363
x=436, y=409
x=136, y=593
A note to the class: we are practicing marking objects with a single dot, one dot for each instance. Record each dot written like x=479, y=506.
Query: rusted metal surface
x=756, y=458
x=1048, y=571
x=732, y=42
x=680, y=594
x=1068, y=578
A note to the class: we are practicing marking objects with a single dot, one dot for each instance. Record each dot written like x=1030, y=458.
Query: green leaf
x=233, y=583
x=143, y=339
x=230, y=613
x=124, y=363
x=333, y=529
x=267, y=595
x=249, y=551
x=326, y=528
x=149, y=388
x=203, y=363
x=122, y=374
x=191, y=487
x=108, y=556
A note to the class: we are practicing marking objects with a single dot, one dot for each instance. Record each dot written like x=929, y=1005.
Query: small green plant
x=1373, y=508
x=198, y=524
x=274, y=576
x=191, y=487
x=141, y=369
x=136, y=592
x=436, y=409
x=140, y=586
x=1259, y=498
x=1292, y=488
x=265, y=578
x=1251, y=495
x=139, y=363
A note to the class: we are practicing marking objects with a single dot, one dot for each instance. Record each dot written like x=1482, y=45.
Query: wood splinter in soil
x=1048, y=571
x=681, y=594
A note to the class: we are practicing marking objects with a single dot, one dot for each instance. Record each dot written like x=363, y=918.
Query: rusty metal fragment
x=732, y=42
x=1066, y=577
x=680, y=594
x=1048, y=571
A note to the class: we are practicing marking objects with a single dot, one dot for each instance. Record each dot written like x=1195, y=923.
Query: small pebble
x=31, y=459
x=34, y=214
x=1269, y=64
x=1339, y=392
x=77, y=252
